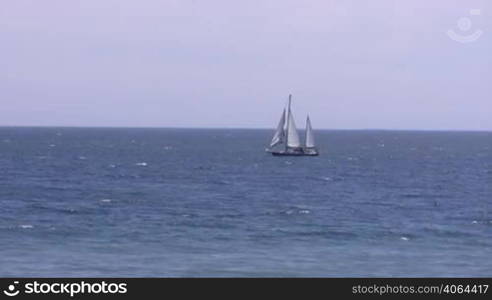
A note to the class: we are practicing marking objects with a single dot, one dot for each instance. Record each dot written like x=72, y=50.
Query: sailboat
x=287, y=136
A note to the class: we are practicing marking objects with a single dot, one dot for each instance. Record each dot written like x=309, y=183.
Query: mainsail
x=309, y=134
x=293, y=140
x=279, y=136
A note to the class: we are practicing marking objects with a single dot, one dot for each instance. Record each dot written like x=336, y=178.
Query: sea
x=126, y=202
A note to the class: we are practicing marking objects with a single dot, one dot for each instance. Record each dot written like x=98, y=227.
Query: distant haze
x=180, y=63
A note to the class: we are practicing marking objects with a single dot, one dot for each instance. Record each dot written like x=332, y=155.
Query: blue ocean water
x=184, y=202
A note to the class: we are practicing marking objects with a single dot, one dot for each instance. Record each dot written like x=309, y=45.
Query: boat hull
x=283, y=153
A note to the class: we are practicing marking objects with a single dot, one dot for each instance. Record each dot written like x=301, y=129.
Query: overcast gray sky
x=217, y=63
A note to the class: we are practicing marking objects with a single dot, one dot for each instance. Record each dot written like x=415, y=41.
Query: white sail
x=279, y=136
x=292, y=135
x=309, y=134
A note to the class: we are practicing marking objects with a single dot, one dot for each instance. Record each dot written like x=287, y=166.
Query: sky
x=352, y=64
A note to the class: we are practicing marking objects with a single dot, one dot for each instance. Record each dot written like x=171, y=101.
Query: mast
x=307, y=132
x=288, y=121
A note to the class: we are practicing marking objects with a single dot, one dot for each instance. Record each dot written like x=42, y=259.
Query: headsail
x=309, y=134
x=279, y=136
